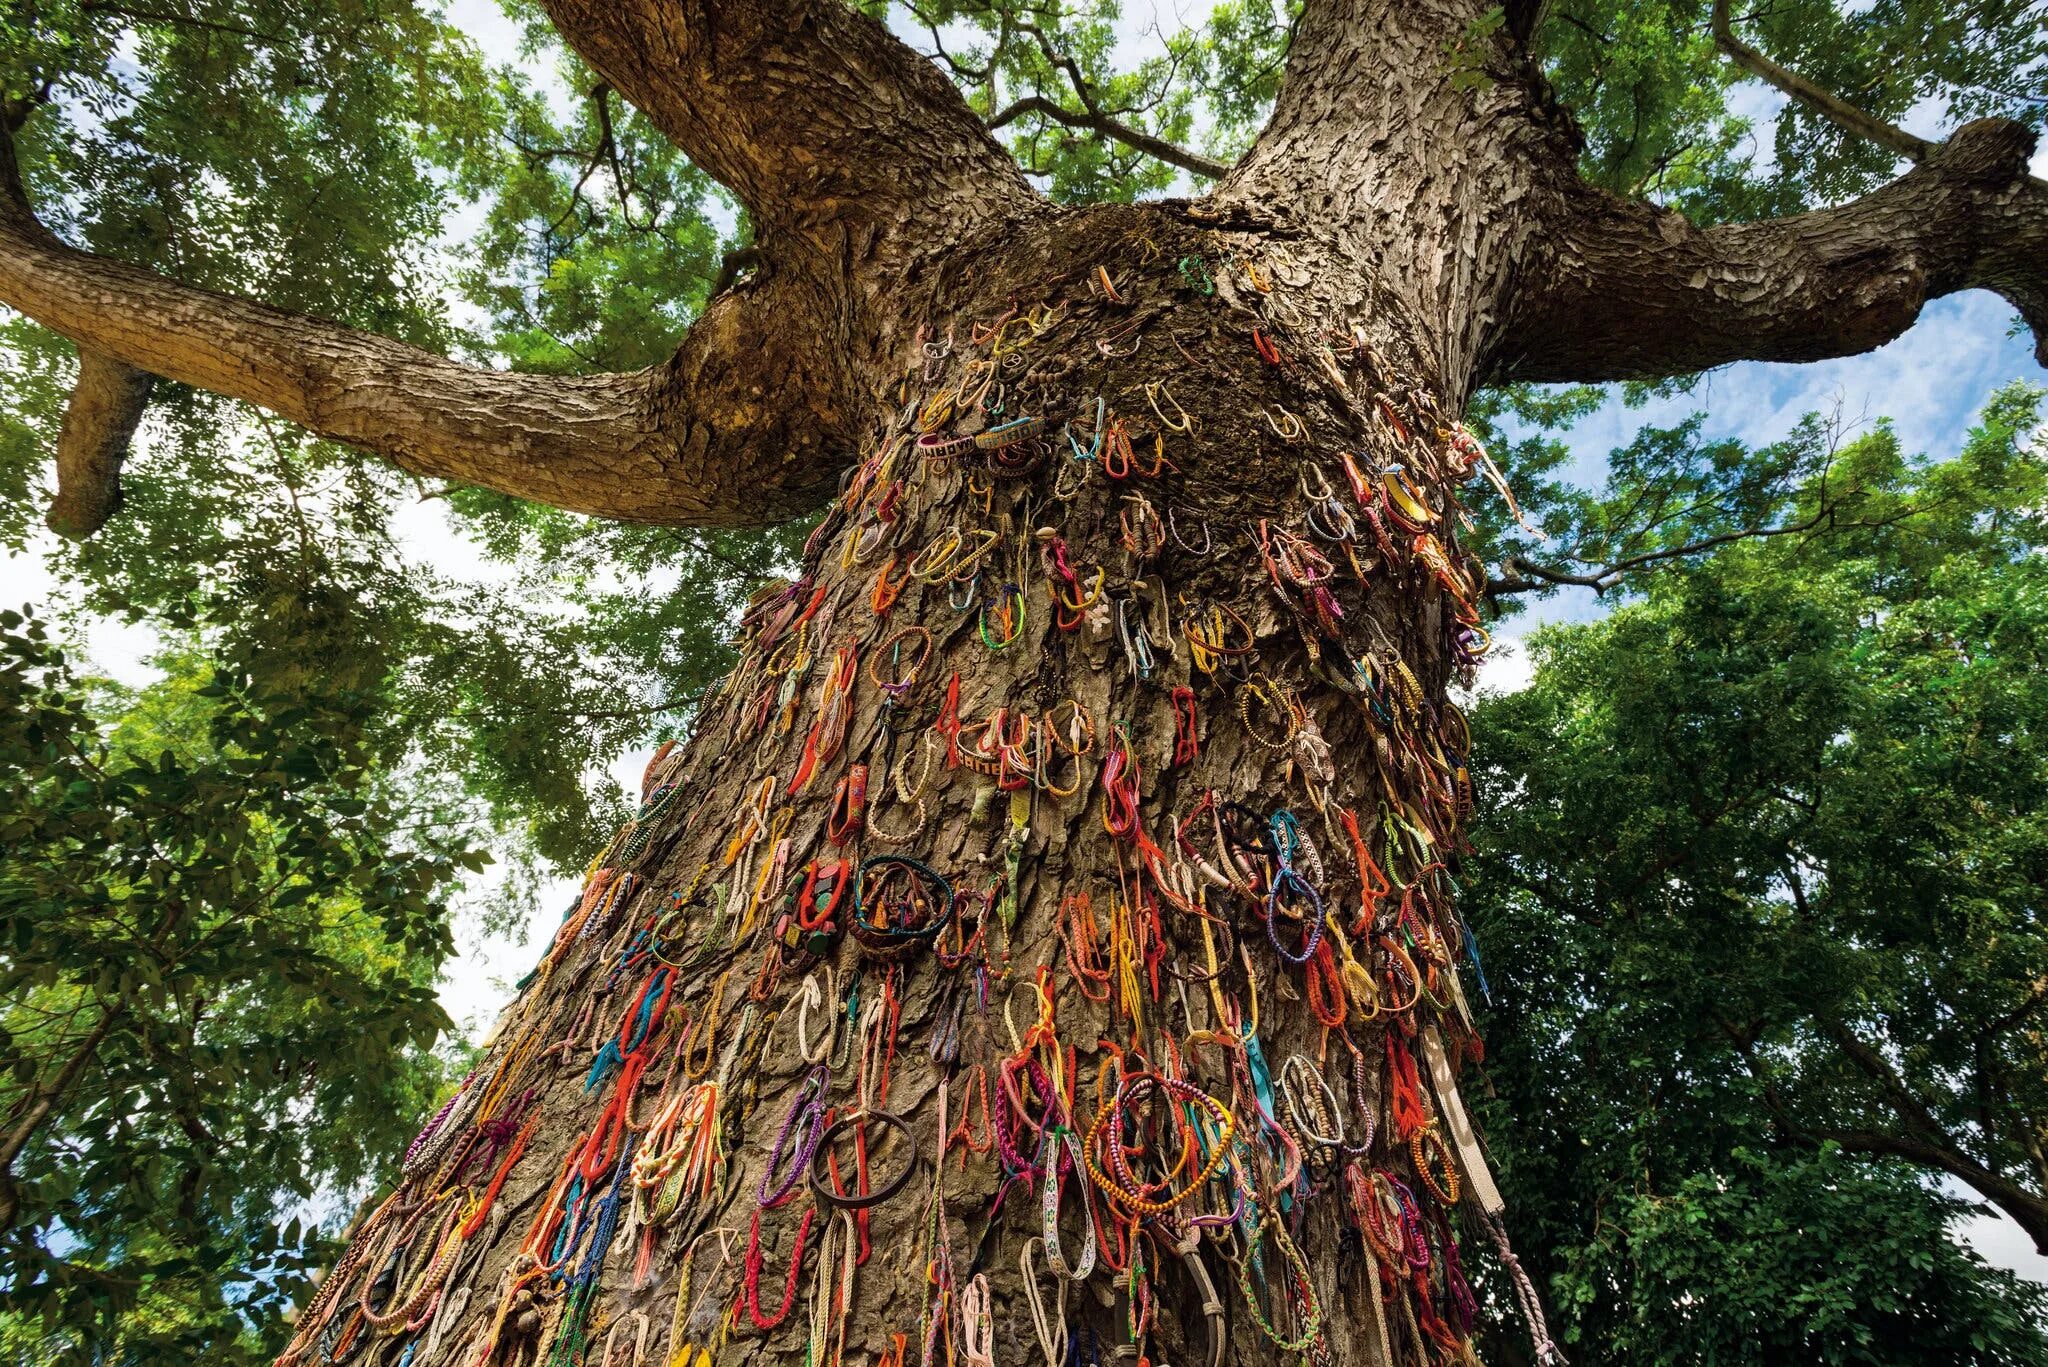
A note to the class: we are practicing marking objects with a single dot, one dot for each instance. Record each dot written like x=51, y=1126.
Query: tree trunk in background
x=1114, y=915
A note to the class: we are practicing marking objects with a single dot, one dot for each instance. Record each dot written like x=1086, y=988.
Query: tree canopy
x=320, y=156
x=222, y=926
x=1763, y=891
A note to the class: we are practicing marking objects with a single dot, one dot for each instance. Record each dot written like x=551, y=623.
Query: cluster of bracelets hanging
x=1147, y=775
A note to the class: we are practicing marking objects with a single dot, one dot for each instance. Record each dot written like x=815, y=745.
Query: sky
x=1929, y=382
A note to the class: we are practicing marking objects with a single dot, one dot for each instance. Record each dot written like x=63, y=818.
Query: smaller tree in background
x=1764, y=895
x=221, y=930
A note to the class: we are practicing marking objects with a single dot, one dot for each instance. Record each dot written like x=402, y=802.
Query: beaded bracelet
x=896, y=689
x=1144, y=534
x=1419, y=1147
x=909, y=792
x=1286, y=880
x=1272, y=697
x=1110, y=1115
x=1323, y=1100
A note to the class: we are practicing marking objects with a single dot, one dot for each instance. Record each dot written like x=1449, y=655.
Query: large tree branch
x=720, y=435
x=1403, y=148
x=1370, y=84
x=1621, y=290
x=857, y=160
x=2028, y=1209
x=1924, y=1140
x=1927, y=1147
x=1910, y=1109
x=821, y=121
x=105, y=409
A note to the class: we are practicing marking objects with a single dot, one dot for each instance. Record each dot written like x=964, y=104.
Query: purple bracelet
x=809, y=1103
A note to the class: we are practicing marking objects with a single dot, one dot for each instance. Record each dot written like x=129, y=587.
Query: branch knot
x=1991, y=151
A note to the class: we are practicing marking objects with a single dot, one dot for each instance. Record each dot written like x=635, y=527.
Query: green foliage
x=1762, y=875
x=222, y=932
x=1667, y=117
x=286, y=150
x=1465, y=58
x=1782, y=1258
x=1059, y=51
x=361, y=133
x=1670, y=494
x=597, y=241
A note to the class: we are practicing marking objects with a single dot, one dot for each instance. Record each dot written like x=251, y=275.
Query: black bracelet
x=821, y=1157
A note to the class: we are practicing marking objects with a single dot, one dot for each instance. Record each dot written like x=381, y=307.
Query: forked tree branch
x=710, y=438
x=1116, y=130
x=1630, y=291
x=825, y=125
x=107, y=397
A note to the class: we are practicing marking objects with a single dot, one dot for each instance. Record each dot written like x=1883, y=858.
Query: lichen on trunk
x=1073, y=844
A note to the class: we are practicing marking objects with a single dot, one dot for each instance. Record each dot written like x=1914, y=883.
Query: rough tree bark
x=1142, y=581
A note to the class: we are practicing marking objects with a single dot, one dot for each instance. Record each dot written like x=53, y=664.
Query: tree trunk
x=1111, y=409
